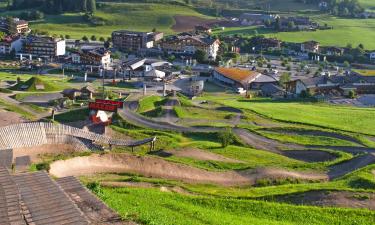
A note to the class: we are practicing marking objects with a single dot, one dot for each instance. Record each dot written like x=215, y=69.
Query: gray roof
x=270, y=89
x=265, y=79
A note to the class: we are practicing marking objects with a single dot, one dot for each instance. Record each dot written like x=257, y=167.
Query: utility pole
x=102, y=75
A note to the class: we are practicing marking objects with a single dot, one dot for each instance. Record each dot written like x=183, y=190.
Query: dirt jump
x=155, y=167
x=330, y=198
x=196, y=154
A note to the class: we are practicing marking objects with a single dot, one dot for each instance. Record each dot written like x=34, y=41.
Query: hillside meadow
x=353, y=119
x=345, y=31
x=117, y=16
x=171, y=208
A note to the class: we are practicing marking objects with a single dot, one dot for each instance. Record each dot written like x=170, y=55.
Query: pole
x=102, y=74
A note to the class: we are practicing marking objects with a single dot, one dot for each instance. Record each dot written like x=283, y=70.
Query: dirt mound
x=188, y=23
x=229, y=109
x=317, y=133
x=155, y=167
x=348, y=166
x=310, y=155
x=197, y=154
x=8, y=118
x=37, y=151
x=330, y=198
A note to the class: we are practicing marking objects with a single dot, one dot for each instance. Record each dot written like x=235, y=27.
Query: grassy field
x=172, y=208
x=366, y=72
x=352, y=119
x=345, y=31
x=117, y=16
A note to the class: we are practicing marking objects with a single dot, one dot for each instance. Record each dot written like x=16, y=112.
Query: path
x=258, y=141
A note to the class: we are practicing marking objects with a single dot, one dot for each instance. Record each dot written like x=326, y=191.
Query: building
x=95, y=57
x=261, y=43
x=372, y=56
x=235, y=77
x=310, y=46
x=332, y=51
x=334, y=85
x=14, y=26
x=251, y=19
x=299, y=23
x=11, y=43
x=188, y=44
x=203, y=29
x=44, y=46
x=134, y=41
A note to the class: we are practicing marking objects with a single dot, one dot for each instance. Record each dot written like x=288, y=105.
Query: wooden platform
x=10, y=210
x=94, y=209
x=44, y=202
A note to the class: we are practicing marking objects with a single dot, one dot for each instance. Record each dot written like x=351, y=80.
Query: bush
x=352, y=94
x=4, y=90
x=226, y=138
x=43, y=166
x=96, y=188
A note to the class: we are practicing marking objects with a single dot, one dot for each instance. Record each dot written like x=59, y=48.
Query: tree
x=200, y=56
x=284, y=78
x=346, y=64
x=102, y=39
x=93, y=38
x=352, y=94
x=91, y=6
x=85, y=38
x=67, y=36
x=226, y=137
x=291, y=25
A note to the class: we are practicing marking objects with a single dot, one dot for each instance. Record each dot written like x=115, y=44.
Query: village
x=258, y=66
x=187, y=112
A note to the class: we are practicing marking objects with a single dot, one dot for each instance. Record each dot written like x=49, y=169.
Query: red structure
x=117, y=103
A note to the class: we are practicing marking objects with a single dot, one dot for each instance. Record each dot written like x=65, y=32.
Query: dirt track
x=196, y=154
x=155, y=167
x=330, y=198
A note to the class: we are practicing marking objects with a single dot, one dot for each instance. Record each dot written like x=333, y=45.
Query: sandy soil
x=188, y=23
x=155, y=167
x=197, y=154
x=37, y=151
x=330, y=198
x=8, y=118
x=310, y=155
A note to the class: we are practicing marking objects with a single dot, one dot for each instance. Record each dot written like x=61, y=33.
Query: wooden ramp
x=95, y=210
x=6, y=158
x=10, y=210
x=44, y=202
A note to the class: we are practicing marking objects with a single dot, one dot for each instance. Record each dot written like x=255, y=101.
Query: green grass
x=16, y=109
x=348, y=30
x=200, y=113
x=366, y=72
x=32, y=83
x=172, y=208
x=353, y=119
x=117, y=16
x=73, y=116
x=307, y=139
x=150, y=103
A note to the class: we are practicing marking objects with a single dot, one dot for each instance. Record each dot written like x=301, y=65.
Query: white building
x=9, y=44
